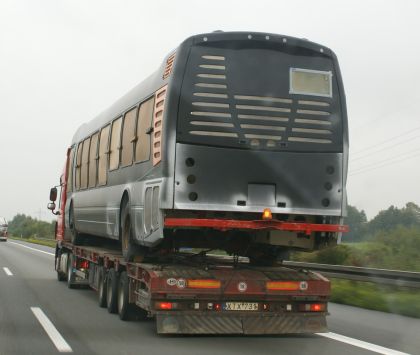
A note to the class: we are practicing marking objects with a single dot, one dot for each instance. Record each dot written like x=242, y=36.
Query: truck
x=190, y=291
x=181, y=200
x=3, y=229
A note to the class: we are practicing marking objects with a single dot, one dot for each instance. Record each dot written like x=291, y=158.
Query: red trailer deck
x=196, y=294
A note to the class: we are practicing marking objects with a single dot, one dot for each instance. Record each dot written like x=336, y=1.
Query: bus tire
x=102, y=291
x=112, y=291
x=75, y=236
x=129, y=250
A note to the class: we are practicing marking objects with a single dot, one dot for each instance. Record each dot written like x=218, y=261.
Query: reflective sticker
x=171, y=281
x=303, y=286
x=242, y=286
x=181, y=283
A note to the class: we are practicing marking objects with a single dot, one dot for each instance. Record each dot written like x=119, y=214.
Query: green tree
x=356, y=221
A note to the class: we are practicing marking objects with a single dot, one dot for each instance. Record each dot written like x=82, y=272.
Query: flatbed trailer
x=197, y=294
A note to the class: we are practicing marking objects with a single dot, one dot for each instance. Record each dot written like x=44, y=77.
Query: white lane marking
x=52, y=332
x=41, y=251
x=362, y=344
x=7, y=271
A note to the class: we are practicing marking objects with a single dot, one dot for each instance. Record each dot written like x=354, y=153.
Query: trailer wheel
x=102, y=290
x=124, y=309
x=71, y=278
x=112, y=291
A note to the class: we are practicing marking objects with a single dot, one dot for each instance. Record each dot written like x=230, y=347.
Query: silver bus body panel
x=226, y=176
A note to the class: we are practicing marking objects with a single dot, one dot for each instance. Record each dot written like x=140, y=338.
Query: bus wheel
x=71, y=277
x=102, y=289
x=75, y=235
x=130, y=251
x=112, y=291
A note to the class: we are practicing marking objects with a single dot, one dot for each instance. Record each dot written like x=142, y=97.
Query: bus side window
x=128, y=137
x=114, y=147
x=143, y=125
x=103, y=155
x=78, y=164
x=70, y=171
x=85, y=164
x=93, y=160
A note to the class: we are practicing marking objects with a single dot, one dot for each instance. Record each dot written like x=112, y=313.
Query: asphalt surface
x=29, y=280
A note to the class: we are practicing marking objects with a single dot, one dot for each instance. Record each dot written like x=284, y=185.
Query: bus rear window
x=255, y=96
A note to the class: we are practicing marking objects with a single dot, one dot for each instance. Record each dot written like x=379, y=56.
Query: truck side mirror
x=51, y=206
x=53, y=195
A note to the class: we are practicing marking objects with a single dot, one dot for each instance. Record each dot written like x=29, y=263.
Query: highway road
x=39, y=315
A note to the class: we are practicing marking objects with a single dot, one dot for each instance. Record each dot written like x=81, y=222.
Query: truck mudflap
x=170, y=323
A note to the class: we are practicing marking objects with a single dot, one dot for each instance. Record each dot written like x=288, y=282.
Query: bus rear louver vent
x=168, y=66
x=261, y=121
x=157, y=124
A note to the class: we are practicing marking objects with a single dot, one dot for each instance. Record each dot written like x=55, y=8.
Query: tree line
x=386, y=220
x=27, y=227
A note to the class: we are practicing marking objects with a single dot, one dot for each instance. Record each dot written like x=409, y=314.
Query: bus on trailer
x=238, y=142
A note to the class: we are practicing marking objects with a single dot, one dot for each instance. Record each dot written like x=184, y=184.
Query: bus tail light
x=283, y=285
x=212, y=284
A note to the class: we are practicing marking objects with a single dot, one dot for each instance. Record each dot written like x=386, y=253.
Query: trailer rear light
x=267, y=214
x=312, y=307
x=164, y=305
x=283, y=285
x=266, y=307
x=213, y=284
x=217, y=307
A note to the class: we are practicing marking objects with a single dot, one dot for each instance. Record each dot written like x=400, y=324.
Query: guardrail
x=379, y=276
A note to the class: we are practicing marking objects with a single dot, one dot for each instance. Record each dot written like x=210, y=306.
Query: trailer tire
x=71, y=277
x=112, y=291
x=125, y=310
x=102, y=291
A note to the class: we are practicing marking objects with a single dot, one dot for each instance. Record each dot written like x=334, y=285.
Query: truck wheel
x=75, y=236
x=102, y=291
x=112, y=291
x=71, y=277
x=61, y=275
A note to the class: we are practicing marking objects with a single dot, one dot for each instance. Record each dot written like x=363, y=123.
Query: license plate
x=240, y=306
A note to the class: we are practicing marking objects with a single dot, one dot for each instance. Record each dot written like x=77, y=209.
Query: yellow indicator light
x=282, y=285
x=203, y=284
x=267, y=214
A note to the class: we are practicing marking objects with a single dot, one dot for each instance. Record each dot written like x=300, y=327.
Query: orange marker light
x=203, y=283
x=267, y=214
x=282, y=285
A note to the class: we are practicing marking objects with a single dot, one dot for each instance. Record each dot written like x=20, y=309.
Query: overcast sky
x=64, y=61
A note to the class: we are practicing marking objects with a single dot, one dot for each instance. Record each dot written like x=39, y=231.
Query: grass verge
x=48, y=243
x=383, y=298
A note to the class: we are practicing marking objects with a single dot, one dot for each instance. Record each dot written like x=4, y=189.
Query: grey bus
x=238, y=142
